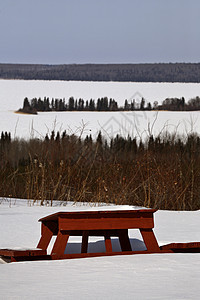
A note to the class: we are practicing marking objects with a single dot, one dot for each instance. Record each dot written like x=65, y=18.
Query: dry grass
x=161, y=172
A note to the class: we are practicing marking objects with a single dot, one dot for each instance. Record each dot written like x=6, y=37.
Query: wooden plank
x=30, y=258
x=108, y=243
x=107, y=223
x=98, y=214
x=84, y=245
x=12, y=252
x=46, y=236
x=182, y=247
x=150, y=240
x=60, y=244
x=16, y=253
x=113, y=232
x=124, y=240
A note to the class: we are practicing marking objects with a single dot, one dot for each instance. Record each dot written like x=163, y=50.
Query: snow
x=134, y=277
x=154, y=276
x=14, y=91
x=138, y=124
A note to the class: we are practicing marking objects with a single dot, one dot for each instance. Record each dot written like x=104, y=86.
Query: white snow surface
x=163, y=276
x=154, y=276
x=13, y=92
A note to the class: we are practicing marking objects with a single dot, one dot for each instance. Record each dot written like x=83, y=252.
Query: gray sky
x=99, y=31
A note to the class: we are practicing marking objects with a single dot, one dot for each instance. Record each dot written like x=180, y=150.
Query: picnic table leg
x=150, y=240
x=108, y=243
x=60, y=244
x=45, y=239
x=124, y=240
x=84, y=245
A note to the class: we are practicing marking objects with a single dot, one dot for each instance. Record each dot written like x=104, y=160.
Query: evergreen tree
x=104, y=103
x=142, y=103
x=87, y=105
x=34, y=104
x=71, y=103
x=56, y=105
x=133, y=105
x=126, y=105
x=26, y=104
x=149, y=107
x=98, y=104
x=92, y=105
x=64, y=134
x=52, y=104
x=46, y=138
x=76, y=105
x=2, y=136
x=52, y=135
x=182, y=103
x=58, y=137
x=99, y=138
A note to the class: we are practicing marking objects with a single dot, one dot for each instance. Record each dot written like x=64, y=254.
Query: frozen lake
x=13, y=92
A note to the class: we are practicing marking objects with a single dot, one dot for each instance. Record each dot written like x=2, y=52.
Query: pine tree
x=26, y=104
x=58, y=137
x=92, y=105
x=87, y=105
x=46, y=138
x=142, y=103
x=52, y=135
x=126, y=105
x=99, y=138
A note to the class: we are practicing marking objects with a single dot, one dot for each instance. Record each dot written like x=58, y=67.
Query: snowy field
x=13, y=92
x=164, y=276
x=155, y=276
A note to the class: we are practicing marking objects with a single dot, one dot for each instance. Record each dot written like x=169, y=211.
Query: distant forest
x=104, y=104
x=161, y=72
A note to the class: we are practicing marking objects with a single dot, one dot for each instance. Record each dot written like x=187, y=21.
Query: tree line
x=154, y=72
x=161, y=172
x=104, y=104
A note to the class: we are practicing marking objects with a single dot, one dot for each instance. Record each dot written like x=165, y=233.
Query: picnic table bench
x=97, y=223
x=106, y=224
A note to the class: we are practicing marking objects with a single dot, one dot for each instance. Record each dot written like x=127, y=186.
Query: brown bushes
x=162, y=172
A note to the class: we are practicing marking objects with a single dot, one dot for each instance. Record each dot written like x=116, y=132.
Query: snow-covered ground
x=155, y=276
x=13, y=92
x=164, y=276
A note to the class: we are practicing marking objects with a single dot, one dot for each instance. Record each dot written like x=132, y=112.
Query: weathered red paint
x=96, y=223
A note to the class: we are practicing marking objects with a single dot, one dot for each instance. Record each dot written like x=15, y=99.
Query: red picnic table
x=105, y=224
x=97, y=223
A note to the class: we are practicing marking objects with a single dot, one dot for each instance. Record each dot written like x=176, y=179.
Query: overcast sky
x=99, y=31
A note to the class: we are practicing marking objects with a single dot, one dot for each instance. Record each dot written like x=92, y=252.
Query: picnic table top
x=98, y=214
